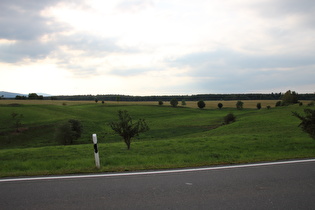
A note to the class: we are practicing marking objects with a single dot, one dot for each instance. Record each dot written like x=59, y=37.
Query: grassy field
x=179, y=137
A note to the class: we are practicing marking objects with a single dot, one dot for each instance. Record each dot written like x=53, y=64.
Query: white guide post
x=97, y=158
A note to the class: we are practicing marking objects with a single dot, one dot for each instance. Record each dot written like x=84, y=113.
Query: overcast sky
x=157, y=47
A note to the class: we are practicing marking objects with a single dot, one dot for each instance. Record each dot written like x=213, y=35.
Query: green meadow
x=184, y=136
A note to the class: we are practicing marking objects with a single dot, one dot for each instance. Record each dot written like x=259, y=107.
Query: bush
x=289, y=98
x=278, y=103
x=268, y=107
x=220, y=105
x=76, y=127
x=160, y=103
x=258, y=106
x=308, y=121
x=183, y=103
x=69, y=131
x=310, y=103
x=229, y=118
x=201, y=104
x=174, y=102
x=239, y=105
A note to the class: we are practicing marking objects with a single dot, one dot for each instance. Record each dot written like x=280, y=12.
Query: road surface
x=288, y=185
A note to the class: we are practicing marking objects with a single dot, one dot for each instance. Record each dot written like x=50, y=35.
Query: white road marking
x=155, y=172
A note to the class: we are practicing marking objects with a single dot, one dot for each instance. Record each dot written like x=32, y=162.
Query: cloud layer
x=145, y=47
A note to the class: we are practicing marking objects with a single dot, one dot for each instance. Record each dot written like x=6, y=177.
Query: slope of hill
x=5, y=94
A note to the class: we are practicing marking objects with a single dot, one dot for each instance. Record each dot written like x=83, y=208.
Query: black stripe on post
x=95, y=148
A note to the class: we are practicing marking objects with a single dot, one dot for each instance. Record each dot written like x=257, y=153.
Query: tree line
x=198, y=97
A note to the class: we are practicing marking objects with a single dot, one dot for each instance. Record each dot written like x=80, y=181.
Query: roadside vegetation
x=179, y=136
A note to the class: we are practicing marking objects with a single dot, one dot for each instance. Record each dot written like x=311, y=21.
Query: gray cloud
x=21, y=20
x=90, y=43
x=222, y=59
x=25, y=50
x=225, y=71
x=280, y=9
x=23, y=23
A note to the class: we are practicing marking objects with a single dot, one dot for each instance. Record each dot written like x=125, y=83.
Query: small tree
x=289, y=98
x=308, y=121
x=258, y=106
x=126, y=129
x=174, y=102
x=69, y=131
x=239, y=105
x=96, y=100
x=183, y=102
x=17, y=118
x=201, y=104
x=160, y=103
x=220, y=105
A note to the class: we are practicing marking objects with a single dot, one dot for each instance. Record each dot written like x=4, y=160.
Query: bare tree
x=126, y=128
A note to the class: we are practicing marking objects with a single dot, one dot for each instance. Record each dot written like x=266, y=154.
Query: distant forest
x=206, y=97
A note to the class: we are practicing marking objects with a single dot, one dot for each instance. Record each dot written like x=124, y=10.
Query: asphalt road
x=280, y=186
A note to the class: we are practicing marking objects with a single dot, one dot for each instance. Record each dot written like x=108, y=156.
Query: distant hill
x=13, y=95
x=10, y=94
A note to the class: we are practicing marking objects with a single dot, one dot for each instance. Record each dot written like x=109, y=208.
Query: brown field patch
x=250, y=104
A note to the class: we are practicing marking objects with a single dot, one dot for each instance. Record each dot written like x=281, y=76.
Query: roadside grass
x=179, y=137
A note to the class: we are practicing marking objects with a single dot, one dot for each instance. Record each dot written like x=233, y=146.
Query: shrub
x=268, y=107
x=183, y=103
x=310, y=103
x=239, y=105
x=308, y=121
x=258, y=106
x=76, y=127
x=279, y=103
x=289, y=98
x=69, y=131
x=201, y=104
x=160, y=103
x=220, y=105
x=229, y=118
x=174, y=102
